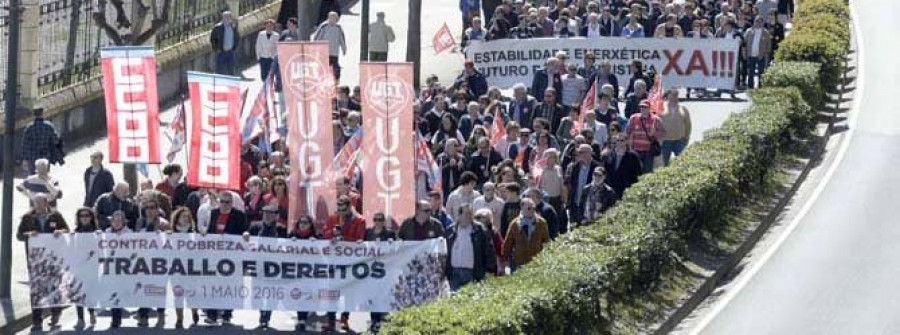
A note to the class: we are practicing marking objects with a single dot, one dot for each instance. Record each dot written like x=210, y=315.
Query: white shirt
x=593, y=31
x=458, y=198
x=265, y=44
x=754, y=45
x=463, y=252
x=495, y=205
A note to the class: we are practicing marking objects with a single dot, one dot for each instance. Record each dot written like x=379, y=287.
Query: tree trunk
x=414, y=40
x=364, y=35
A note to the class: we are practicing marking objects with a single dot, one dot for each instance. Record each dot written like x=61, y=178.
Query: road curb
x=713, y=281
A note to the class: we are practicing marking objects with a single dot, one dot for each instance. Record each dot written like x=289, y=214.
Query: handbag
x=655, y=148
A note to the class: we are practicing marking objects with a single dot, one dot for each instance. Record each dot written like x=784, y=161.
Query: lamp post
x=12, y=95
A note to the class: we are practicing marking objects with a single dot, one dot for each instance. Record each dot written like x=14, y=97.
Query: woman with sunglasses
x=278, y=196
x=85, y=222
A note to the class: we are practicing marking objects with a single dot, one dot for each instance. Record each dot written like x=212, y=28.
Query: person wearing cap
x=380, y=36
x=471, y=80
x=267, y=227
x=470, y=250
x=643, y=130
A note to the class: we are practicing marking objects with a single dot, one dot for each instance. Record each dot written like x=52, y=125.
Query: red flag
x=388, y=158
x=132, y=104
x=498, y=130
x=309, y=89
x=426, y=163
x=443, y=39
x=215, y=131
x=587, y=106
x=655, y=96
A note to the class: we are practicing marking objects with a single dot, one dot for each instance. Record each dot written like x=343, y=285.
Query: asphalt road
x=837, y=270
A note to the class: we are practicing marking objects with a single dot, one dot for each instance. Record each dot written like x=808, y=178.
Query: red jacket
x=354, y=231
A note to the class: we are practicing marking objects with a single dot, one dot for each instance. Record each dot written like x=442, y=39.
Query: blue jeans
x=225, y=62
x=646, y=161
x=755, y=65
x=460, y=277
x=670, y=148
x=265, y=66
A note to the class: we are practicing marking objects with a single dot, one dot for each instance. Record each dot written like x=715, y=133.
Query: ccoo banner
x=309, y=87
x=215, y=131
x=686, y=62
x=388, y=158
x=132, y=108
x=227, y=272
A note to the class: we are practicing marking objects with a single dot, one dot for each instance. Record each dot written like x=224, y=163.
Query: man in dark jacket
x=578, y=175
x=470, y=250
x=224, y=40
x=225, y=220
x=545, y=211
x=547, y=77
x=521, y=109
x=421, y=226
x=117, y=199
x=605, y=76
x=471, y=80
x=623, y=166
x=42, y=219
x=97, y=180
x=40, y=140
x=482, y=161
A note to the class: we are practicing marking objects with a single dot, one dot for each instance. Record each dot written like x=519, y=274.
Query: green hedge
x=569, y=287
x=835, y=8
x=803, y=75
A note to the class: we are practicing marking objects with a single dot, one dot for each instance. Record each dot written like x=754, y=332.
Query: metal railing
x=4, y=42
x=248, y=6
x=70, y=42
x=189, y=18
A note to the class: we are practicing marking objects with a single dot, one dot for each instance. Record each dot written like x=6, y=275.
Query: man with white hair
x=452, y=163
x=549, y=76
x=489, y=200
x=521, y=109
x=41, y=182
x=117, y=200
x=332, y=32
x=224, y=40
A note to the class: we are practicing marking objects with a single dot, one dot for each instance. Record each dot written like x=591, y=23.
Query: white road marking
x=745, y=277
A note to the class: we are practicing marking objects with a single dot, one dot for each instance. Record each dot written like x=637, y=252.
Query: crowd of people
x=516, y=170
x=757, y=24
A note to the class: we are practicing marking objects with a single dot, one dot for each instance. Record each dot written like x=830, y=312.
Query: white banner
x=225, y=272
x=687, y=62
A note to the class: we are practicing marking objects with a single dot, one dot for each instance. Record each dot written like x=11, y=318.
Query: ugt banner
x=687, y=62
x=388, y=158
x=132, y=104
x=309, y=88
x=227, y=272
x=215, y=131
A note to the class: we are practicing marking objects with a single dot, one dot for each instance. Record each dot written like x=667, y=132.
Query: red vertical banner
x=215, y=131
x=132, y=104
x=388, y=156
x=308, y=88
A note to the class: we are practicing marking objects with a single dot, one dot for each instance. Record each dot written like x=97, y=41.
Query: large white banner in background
x=687, y=62
x=226, y=272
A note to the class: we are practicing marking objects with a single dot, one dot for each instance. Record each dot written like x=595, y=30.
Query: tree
x=135, y=33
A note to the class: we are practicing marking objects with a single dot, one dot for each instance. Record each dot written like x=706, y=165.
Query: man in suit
x=549, y=76
x=521, y=109
x=622, y=166
x=550, y=109
x=224, y=40
x=578, y=175
x=97, y=180
x=225, y=220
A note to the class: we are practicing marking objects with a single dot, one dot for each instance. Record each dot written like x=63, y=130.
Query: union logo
x=387, y=93
x=308, y=76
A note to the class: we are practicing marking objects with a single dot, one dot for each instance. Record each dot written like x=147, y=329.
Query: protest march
x=312, y=194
